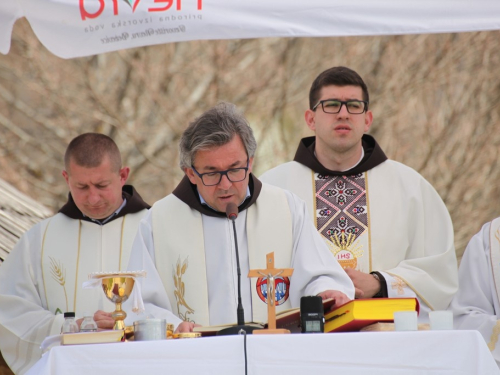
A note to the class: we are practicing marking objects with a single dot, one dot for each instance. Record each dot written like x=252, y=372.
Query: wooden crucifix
x=270, y=273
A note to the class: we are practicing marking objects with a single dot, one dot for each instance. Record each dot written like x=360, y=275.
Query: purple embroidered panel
x=341, y=204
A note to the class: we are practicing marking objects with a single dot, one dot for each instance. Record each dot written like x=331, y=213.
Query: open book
x=359, y=313
x=287, y=319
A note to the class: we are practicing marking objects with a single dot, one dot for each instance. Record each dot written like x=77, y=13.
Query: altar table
x=374, y=353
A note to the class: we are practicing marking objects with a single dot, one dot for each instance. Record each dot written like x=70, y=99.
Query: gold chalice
x=118, y=289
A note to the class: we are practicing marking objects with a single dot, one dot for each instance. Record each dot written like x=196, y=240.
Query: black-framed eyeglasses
x=354, y=107
x=214, y=178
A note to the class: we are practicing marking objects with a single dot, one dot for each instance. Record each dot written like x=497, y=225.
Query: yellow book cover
x=93, y=337
x=358, y=313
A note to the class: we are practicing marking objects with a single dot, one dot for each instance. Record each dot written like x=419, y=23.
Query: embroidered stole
x=389, y=242
x=180, y=250
x=341, y=217
x=338, y=206
x=72, y=249
x=495, y=253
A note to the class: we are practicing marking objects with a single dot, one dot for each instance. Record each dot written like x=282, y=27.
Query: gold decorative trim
x=399, y=284
x=494, y=256
x=179, y=292
x=56, y=268
x=41, y=252
x=315, y=209
x=368, y=223
x=121, y=244
x=414, y=291
x=494, y=336
x=77, y=263
x=59, y=275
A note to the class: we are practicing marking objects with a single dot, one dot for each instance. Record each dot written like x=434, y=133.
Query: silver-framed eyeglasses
x=354, y=107
x=214, y=178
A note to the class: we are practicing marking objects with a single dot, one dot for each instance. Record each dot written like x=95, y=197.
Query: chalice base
x=119, y=317
x=119, y=324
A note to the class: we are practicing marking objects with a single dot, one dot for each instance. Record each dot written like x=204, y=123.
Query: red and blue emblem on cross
x=281, y=287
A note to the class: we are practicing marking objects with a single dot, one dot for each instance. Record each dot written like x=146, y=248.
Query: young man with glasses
x=189, y=240
x=386, y=224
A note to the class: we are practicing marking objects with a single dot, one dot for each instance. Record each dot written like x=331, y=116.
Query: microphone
x=231, y=211
x=232, y=214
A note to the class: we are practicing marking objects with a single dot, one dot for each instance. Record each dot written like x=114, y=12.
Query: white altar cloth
x=374, y=353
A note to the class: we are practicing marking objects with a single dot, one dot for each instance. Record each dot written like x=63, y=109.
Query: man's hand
x=186, y=327
x=103, y=319
x=339, y=297
x=366, y=285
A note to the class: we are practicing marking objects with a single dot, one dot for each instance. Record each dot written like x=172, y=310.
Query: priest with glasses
x=187, y=244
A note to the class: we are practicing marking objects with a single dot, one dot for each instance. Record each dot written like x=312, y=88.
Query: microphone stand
x=240, y=328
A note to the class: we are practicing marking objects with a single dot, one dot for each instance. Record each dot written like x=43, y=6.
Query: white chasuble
x=72, y=249
x=387, y=219
x=495, y=253
x=476, y=306
x=184, y=240
x=495, y=269
x=43, y=276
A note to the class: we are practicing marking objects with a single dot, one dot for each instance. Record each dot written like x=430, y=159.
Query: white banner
x=73, y=28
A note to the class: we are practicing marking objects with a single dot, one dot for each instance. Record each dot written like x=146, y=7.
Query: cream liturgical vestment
x=43, y=275
x=192, y=247
x=379, y=216
x=477, y=302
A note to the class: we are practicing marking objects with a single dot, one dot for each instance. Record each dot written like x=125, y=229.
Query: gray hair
x=214, y=128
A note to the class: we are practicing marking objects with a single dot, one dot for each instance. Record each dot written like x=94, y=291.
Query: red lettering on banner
x=166, y=7
x=115, y=7
x=86, y=14
x=135, y=5
x=168, y=4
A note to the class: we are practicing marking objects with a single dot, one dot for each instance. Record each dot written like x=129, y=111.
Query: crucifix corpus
x=270, y=273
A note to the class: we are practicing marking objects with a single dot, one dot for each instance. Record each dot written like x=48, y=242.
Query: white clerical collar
x=359, y=161
x=206, y=204
x=104, y=221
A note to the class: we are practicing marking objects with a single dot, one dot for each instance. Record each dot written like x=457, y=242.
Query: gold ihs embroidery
x=179, y=292
x=346, y=250
x=59, y=275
